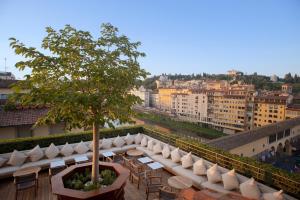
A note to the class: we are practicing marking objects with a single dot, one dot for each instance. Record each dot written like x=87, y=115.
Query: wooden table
x=27, y=171
x=134, y=153
x=208, y=194
x=180, y=182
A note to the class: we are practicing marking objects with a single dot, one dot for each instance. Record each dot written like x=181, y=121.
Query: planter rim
x=58, y=187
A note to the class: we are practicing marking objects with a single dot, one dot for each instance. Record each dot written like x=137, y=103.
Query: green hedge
x=8, y=145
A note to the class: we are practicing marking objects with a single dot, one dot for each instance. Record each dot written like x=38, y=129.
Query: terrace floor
x=7, y=189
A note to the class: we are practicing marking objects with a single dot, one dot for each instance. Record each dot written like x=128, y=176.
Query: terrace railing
x=264, y=173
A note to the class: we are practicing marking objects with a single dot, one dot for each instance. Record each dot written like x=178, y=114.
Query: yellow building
x=269, y=109
x=292, y=111
x=229, y=110
x=165, y=98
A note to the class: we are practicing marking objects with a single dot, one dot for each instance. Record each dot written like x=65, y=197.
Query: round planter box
x=114, y=191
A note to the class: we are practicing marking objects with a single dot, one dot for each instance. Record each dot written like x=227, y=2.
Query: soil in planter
x=82, y=180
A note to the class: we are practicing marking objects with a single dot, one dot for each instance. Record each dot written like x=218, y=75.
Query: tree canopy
x=81, y=79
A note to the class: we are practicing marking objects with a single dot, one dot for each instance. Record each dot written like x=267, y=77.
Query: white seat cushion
x=215, y=186
x=52, y=151
x=129, y=139
x=44, y=163
x=138, y=138
x=17, y=158
x=8, y=171
x=199, y=167
x=168, y=163
x=81, y=148
x=144, y=142
x=67, y=150
x=273, y=195
x=187, y=160
x=230, y=180
x=157, y=148
x=249, y=189
x=213, y=174
x=166, y=152
x=118, y=142
x=197, y=180
x=175, y=155
x=36, y=153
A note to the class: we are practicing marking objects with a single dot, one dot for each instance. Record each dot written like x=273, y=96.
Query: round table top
x=180, y=182
x=27, y=170
x=134, y=152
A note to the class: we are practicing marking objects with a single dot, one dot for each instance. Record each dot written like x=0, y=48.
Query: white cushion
x=213, y=174
x=17, y=158
x=249, y=189
x=157, y=148
x=118, y=141
x=2, y=161
x=166, y=151
x=36, y=153
x=230, y=180
x=144, y=142
x=67, y=150
x=138, y=138
x=129, y=139
x=150, y=145
x=52, y=151
x=175, y=155
x=273, y=195
x=187, y=160
x=106, y=143
x=81, y=148
x=199, y=167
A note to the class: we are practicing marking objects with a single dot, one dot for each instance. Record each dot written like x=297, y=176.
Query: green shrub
x=108, y=177
x=9, y=145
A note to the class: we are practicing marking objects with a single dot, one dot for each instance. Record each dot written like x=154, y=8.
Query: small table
x=26, y=171
x=180, y=182
x=81, y=159
x=145, y=160
x=155, y=165
x=108, y=154
x=134, y=153
x=58, y=163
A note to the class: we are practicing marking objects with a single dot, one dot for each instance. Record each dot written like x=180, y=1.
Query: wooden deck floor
x=7, y=189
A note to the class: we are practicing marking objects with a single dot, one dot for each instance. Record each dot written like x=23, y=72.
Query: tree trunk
x=95, y=165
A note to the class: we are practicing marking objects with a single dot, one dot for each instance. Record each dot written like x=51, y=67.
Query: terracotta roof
x=21, y=116
x=232, y=141
x=6, y=83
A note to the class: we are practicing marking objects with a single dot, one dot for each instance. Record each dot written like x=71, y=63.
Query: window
x=280, y=135
x=287, y=132
x=272, y=138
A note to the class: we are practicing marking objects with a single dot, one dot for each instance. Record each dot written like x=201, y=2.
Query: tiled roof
x=17, y=117
x=232, y=141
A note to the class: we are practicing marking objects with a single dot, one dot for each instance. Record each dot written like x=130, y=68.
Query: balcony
x=267, y=179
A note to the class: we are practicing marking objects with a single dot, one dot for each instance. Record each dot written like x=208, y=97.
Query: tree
x=288, y=78
x=84, y=81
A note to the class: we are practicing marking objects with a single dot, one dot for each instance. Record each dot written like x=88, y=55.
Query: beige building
x=144, y=95
x=191, y=107
x=271, y=138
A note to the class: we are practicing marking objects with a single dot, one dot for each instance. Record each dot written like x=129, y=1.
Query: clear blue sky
x=178, y=36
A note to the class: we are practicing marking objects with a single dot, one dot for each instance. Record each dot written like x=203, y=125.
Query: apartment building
x=269, y=109
x=191, y=107
x=229, y=110
x=165, y=97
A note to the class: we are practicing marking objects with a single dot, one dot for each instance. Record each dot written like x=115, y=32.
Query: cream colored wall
x=41, y=131
x=263, y=144
x=7, y=133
